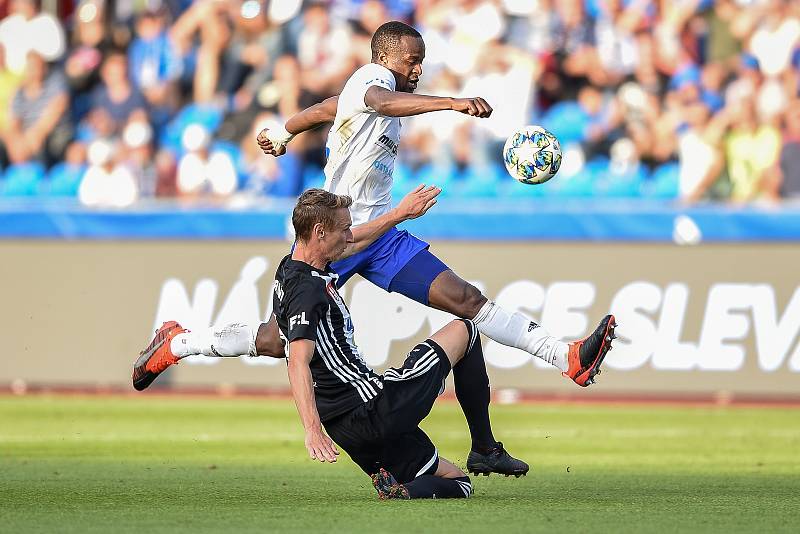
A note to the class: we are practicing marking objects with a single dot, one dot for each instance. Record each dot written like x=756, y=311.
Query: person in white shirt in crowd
x=27, y=29
x=201, y=171
x=107, y=184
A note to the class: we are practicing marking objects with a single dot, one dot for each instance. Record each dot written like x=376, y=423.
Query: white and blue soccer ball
x=532, y=155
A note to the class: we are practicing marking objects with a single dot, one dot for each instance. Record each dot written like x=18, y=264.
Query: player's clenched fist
x=273, y=141
x=477, y=107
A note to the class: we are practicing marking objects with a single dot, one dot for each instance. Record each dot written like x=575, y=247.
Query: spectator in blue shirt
x=115, y=97
x=155, y=64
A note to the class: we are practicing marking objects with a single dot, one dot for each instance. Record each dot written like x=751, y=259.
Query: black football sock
x=473, y=393
x=433, y=487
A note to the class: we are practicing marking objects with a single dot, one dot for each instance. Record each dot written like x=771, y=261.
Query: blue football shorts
x=398, y=262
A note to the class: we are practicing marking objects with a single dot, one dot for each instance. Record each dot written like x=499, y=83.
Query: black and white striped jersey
x=308, y=306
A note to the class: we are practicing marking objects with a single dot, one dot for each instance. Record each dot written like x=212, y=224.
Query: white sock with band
x=517, y=330
x=235, y=339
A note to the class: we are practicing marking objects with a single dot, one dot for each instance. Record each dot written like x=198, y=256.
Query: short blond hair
x=316, y=206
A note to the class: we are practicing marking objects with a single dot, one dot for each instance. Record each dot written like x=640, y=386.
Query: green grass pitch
x=186, y=464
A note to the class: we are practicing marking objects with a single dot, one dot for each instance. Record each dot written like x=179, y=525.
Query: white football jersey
x=362, y=146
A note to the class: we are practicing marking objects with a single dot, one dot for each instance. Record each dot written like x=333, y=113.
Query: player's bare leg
x=268, y=339
x=452, y=294
x=447, y=469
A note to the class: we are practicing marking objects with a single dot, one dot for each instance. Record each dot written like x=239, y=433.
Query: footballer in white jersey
x=362, y=146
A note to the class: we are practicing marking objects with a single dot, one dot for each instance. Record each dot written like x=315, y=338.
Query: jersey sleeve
x=304, y=308
x=367, y=76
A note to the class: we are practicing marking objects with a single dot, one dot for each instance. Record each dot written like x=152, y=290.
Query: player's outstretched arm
x=274, y=141
x=320, y=446
x=398, y=104
x=415, y=204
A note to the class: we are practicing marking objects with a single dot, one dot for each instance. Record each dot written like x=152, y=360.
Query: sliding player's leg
x=447, y=482
x=172, y=343
x=409, y=467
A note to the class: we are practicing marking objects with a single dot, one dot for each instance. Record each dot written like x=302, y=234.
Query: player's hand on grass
x=268, y=146
x=418, y=202
x=477, y=107
x=320, y=446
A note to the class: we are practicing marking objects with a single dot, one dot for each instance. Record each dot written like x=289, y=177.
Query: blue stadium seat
x=403, y=179
x=663, y=183
x=209, y=117
x=620, y=185
x=480, y=182
x=312, y=176
x=511, y=189
x=439, y=175
x=579, y=185
x=402, y=171
x=22, y=180
x=292, y=180
x=566, y=120
x=63, y=180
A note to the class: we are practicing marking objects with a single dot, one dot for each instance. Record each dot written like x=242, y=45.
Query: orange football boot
x=155, y=359
x=585, y=356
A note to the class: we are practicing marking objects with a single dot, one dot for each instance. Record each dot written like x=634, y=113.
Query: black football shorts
x=384, y=432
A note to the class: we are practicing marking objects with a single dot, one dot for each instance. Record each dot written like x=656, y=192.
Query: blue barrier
x=535, y=219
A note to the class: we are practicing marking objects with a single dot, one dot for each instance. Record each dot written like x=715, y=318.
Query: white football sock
x=517, y=330
x=235, y=339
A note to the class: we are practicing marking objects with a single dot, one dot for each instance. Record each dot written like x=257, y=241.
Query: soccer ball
x=532, y=155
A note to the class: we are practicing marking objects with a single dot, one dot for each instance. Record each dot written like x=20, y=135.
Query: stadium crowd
x=115, y=102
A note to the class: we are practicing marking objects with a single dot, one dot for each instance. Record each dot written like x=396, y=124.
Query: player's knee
x=455, y=295
x=453, y=338
x=472, y=302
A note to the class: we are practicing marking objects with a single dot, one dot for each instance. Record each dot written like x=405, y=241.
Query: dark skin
x=448, y=292
x=406, y=65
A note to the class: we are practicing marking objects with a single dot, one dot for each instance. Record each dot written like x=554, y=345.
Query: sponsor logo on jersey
x=388, y=144
x=379, y=81
x=298, y=320
x=381, y=167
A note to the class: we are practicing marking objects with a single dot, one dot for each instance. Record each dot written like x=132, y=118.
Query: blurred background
x=132, y=190
x=114, y=103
